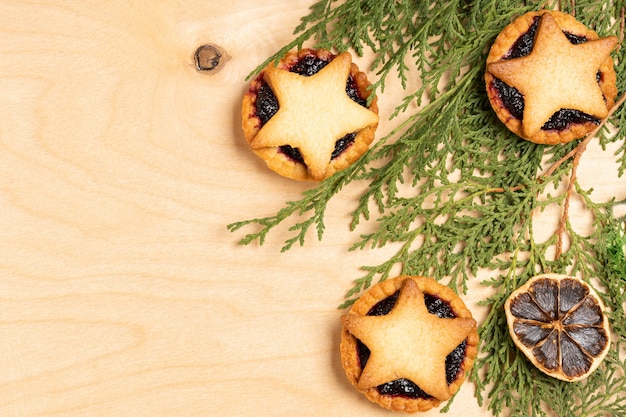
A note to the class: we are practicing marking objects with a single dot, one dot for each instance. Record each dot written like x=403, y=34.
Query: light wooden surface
x=121, y=291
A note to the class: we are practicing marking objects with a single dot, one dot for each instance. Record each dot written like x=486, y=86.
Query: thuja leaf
x=613, y=257
x=457, y=193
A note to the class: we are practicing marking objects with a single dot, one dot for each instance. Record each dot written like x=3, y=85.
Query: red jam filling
x=404, y=387
x=267, y=104
x=513, y=100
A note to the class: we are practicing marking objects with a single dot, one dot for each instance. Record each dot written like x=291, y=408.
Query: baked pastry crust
x=452, y=330
x=538, y=76
x=265, y=146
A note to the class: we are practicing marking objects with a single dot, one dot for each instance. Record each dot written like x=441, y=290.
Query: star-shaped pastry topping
x=556, y=75
x=314, y=112
x=409, y=343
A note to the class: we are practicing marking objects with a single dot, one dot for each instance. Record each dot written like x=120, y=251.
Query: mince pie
x=549, y=78
x=408, y=343
x=308, y=115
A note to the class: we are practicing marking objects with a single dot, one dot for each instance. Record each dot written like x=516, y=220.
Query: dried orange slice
x=558, y=322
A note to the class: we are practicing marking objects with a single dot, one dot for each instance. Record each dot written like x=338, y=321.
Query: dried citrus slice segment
x=558, y=322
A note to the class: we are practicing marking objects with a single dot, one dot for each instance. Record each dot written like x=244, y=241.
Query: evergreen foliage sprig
x=456, y=192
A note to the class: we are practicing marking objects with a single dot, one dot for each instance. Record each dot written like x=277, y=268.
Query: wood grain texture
x=121, y=291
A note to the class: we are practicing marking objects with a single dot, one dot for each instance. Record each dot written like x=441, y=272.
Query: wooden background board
x=121, y=291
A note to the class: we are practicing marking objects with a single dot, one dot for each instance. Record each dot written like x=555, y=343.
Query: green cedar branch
x=457, y=193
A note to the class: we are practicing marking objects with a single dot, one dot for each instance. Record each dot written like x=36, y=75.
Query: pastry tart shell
x=502, y=45
x=348, y=347
x=277, y=160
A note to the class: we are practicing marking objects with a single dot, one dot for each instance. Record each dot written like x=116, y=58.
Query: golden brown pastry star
x=314, y=112
x=409, y=343
x=556, y=75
